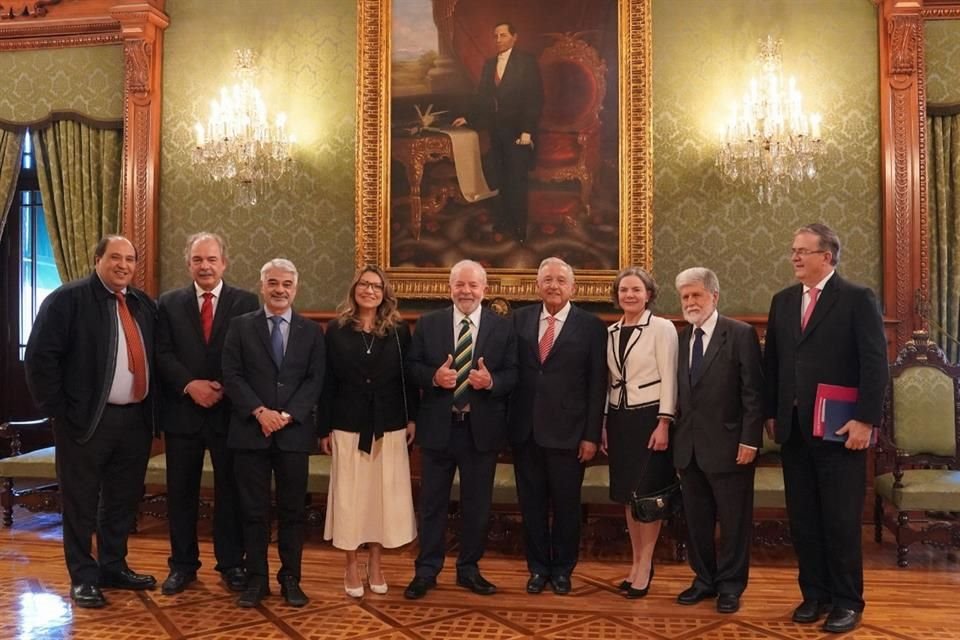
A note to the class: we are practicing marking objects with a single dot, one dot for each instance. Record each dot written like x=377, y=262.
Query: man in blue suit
x=464, y=359
x=556, y=415
x=273, y=365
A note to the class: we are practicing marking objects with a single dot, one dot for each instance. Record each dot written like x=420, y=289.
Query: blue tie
x=696, y=357
x=276, y=340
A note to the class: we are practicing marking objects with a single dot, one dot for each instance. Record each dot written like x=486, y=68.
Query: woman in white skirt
x=368, y=412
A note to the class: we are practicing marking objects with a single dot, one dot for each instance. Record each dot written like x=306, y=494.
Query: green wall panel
x=704, y=54
x=307, y=67
x=88, y=80
x=942, y=52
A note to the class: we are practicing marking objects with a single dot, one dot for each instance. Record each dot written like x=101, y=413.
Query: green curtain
x=10, y=143
x=79, y=170
x=943, y=169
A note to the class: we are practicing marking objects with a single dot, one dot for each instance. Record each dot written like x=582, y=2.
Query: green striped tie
x=462, y=362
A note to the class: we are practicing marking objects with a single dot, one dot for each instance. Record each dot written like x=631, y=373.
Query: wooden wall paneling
x=139, y=25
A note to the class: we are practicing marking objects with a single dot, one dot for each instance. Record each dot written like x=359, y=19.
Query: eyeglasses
x=803, y=253
x=373, y=286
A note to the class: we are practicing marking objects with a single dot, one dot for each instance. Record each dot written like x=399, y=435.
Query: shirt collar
x=215, y=291
x=559, y=315
x=458, y=316
x=286, y=315
x=820, y=285
x=503, y=55
x=711, y=324
x=112, y=292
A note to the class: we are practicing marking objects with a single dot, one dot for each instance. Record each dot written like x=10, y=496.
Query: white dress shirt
x=560, y=317
x=214, y=301
x=284, y=326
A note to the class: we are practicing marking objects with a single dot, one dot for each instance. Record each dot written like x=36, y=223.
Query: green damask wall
x=88, y=80
x=703, y=58
x=307, y=59
x=942, y=52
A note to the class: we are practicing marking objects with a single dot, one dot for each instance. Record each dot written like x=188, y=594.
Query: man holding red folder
x=824, y=330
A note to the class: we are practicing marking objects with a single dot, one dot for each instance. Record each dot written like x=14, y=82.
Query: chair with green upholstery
x=38, y=467
x=917, y=483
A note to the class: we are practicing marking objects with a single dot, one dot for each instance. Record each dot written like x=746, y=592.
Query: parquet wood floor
x=919, y=603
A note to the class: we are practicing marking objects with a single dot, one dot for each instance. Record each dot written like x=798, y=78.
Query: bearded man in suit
x=824, y=329
x=192, y=325
x=715, y=441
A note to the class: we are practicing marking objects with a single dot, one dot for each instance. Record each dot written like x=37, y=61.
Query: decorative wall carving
x=36, y=9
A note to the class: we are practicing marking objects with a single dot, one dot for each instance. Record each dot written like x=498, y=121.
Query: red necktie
x=496, y=77
x=546, y=342
x=136, y=358
x=814, y=294
x=206, y=315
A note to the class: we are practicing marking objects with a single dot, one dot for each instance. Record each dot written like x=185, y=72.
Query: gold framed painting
x=504, y=132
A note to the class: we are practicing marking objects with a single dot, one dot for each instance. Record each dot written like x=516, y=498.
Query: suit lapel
x=224, y=305
x=613, y=342
x=483, y=332
x=294, y=337
x=568, y=333
x=792, y=316
x=260, y=326
x=192, y=311
x=683, y=357
x=716, y=342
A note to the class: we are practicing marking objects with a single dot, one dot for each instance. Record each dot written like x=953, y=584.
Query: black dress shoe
x=728, y=603
x=537, y=582
x=561, y=585
x=127, y=579
x=253, y=594
x=632, y=593
x=176, y=582
x=841, y=620
x=623, y=586
x=810, y=611
x=477, y=584
x=87, y=596
x=695, y=594
x=235, y=578
x=418, y=587
x=292, y=593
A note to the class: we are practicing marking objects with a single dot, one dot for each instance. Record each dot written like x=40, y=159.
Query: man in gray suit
x=718, y=431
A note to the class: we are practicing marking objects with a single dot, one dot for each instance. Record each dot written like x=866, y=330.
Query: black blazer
x=433, y=341
x=71, y=354
x=367, y=393
x=561, y=400
x=514, y=106
x=843, y=344
x=252, y=379
x=183, y=355
x=723, y=407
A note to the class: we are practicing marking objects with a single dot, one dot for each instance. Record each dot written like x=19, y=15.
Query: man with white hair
x=273, y=365
x=556, y=416
x=717, y=434
x=464, y=359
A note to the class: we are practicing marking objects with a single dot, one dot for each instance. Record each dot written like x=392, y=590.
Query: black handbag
x=659, y=505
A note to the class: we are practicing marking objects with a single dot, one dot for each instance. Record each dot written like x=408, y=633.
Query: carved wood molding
x=139, y=25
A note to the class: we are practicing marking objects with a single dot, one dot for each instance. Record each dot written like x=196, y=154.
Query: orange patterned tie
x=546, y=342
x=136, y=358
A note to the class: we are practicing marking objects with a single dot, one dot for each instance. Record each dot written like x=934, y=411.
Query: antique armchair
x=917, y=483
x=39, y=467
x=568, y=141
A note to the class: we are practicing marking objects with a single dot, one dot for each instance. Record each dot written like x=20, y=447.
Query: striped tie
x=546, y=342
x=462, y=362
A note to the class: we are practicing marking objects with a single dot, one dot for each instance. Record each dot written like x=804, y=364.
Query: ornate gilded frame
x=373, y=161
x=138, y=25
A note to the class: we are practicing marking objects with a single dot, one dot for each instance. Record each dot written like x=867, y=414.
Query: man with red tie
x=192, y=324
x=824, y=329
x=89, y=365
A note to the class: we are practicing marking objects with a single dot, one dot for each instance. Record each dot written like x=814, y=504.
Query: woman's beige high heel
x=353, y=592
x=379, y=589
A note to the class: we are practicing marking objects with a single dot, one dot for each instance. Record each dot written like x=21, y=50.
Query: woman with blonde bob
x=368, y=410
x=642, y=358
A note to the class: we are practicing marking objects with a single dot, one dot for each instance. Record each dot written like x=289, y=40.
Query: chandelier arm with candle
x=769, y=142
x=238, y=143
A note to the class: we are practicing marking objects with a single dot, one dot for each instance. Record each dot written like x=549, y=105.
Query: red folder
x=833, y=407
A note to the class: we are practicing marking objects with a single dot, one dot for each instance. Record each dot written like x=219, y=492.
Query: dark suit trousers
x=101, y=483
x=510, y=163
x=549, y=478
x=252, y=469
x=184, y=469
x=729, y=497
x=476, y=490
x=825, y=486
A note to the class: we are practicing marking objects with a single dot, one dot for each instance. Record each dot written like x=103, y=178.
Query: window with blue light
x=38, y=269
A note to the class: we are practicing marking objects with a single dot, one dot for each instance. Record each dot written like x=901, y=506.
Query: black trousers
x=549, y=480
x=253, y=469
x=727, y=497
x=184, y=469
x=101, y=483
x=509, y=164
x=825, y=486
x=477, y=469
